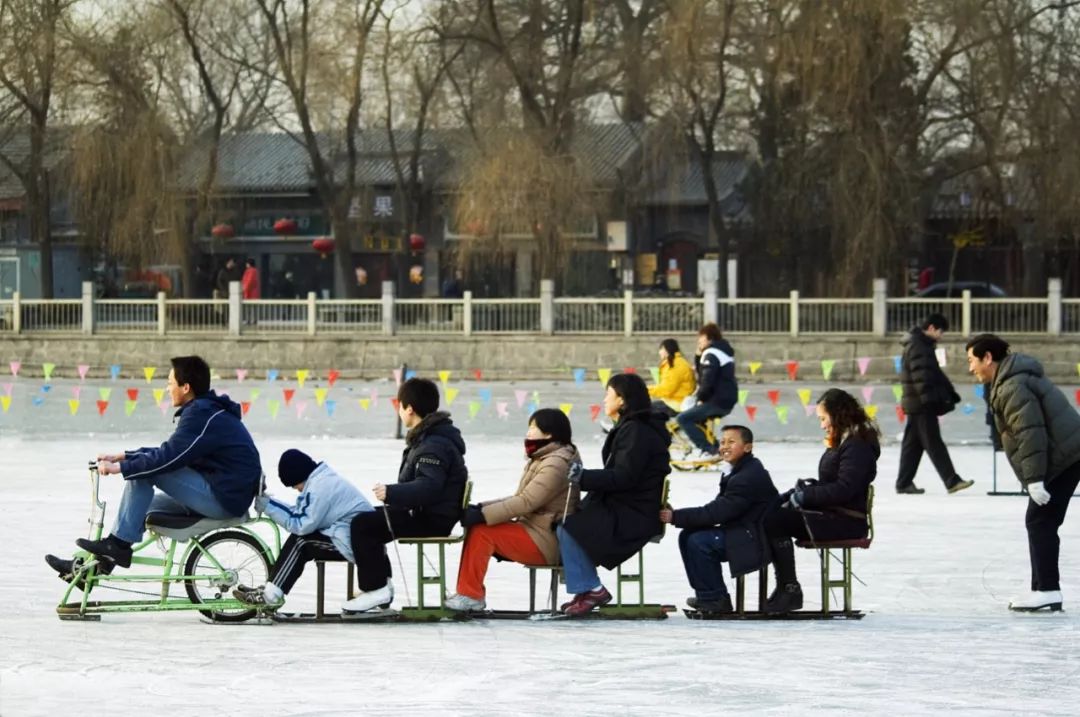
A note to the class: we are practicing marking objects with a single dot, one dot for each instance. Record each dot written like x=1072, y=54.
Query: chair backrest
x=466, y=495
x=870, y=512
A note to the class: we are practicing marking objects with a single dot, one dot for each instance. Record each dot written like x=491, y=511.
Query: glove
x=574, y=475
x=472, y=515
x=261, y=501
x=795, y=499
x=1038, y=493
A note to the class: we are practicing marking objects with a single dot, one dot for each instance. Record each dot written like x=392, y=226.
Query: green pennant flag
x=104, y=393
x=129, y=407
x=897, y=392
x=273, y=405
x=743, y=395
x=474, y=408
x=827, y=367
x=782, y=414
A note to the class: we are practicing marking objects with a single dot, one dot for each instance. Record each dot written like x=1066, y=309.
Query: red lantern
x=223, y=231
x=416, y=243
x=323, y=245
x=285, y=226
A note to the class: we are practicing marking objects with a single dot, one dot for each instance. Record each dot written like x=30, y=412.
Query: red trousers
x=509, y=540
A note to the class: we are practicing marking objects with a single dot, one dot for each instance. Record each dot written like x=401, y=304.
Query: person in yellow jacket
x=676, y=379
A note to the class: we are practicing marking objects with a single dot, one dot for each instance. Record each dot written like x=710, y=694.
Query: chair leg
x=442, y=575
x=349, y=582
x=320, y=589
x=763, y=588
x=554, y=591
x=532, y=590
x=824, y=553
x=740, y=594
x=847, y=581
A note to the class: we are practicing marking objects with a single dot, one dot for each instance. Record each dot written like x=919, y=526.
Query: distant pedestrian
x=928, y=394
x=250, y=281
x=1040, y=432
x=226, y=275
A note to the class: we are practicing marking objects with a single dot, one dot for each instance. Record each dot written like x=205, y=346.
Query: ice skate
x=1037, y=600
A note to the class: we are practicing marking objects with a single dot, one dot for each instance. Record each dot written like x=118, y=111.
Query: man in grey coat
x=1040, y=432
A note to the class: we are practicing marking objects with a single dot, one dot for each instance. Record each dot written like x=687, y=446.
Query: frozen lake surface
x=937, y=637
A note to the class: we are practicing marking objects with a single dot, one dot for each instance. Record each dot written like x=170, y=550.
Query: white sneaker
x=1032, y=601
x=370, y=600
x=463, y=603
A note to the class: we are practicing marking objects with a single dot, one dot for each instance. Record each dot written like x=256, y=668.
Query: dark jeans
x=1042, y=523
x=923, y=433
x=784, y=524
x=370, y=536
x=663, y=408
x=702, y=556
x=691, y=417
x=298, y=551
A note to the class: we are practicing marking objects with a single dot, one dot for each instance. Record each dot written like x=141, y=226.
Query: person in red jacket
x=250, y=281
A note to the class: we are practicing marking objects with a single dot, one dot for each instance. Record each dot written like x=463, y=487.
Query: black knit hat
x=295, y=467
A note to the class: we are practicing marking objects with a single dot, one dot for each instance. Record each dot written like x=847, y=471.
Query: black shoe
x=67, y=569
x=958, y=484
x=108, y=549
x=785, y=599
x=910, y=489
x=711, y=607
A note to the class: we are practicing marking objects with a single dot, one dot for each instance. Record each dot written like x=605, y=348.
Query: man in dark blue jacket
x=424, y=503
x=730, y=527
x=717, y=389
x=209, y=465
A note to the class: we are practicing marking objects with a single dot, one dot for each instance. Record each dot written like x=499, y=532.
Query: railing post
x=547, y=307
x=965, y=312
x=709, y=312
x=1053, y=307
x=628, y=312
x=880, y=320
x=793, y=313
x=311, y=313
x=16, y=316
x=88, y=307
x=466, y=313
x=235, y=308
x=161, y=313
x=388, y=308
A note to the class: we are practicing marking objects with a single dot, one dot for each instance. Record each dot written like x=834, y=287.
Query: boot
x=718, y=606
x=783, y=559
x=110, y=549
x=786, y=598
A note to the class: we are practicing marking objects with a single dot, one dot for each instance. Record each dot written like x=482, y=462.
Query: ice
x=937, y=637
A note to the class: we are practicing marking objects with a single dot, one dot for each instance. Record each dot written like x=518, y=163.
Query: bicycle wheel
x=242, y=560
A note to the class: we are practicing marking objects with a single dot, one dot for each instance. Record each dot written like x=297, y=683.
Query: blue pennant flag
x=410, y=374
x=485, y=395
x=114, y=371
x=331, y=404
x=579, y=376
x=896, y=360
x=271, y=375
x=980, y=390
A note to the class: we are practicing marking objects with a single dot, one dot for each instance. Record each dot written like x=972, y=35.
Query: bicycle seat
x=182, y=527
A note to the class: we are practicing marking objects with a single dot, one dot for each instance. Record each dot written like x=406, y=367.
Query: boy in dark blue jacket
x=729, y=528
x=426, y=500
x=208, y=466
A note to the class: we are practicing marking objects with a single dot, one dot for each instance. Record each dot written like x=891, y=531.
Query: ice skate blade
x=1053, y=607
x=379, y=613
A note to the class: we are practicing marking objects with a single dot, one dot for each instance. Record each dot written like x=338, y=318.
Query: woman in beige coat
x=521, y=528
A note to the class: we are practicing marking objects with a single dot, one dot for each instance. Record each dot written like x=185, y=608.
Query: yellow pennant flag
x=804, y=396
x=159, y=393
x=567, y=407
x=604, y=374
x=451, y=394
x=73, y=405
x=365, y=403
x=444, y=377
x=871, y=411
x=149, y=372
x=5, y=403
x=301, y=376
x=320, y=395
x=755, y=366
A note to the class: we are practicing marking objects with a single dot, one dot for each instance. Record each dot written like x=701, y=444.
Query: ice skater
x=677, y=381
x=928, y=394
x=717, y=390
x=1040, y=433
x=319, y=523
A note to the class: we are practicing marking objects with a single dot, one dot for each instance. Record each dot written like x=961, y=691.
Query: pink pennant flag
x=867, y=392
x=374, y=394
x=83, y=369
x=810, y=409
x=164, y=408
x=397, y=376
x=864, y=363
x=500, y=409
x=7, y=388
x=519, y=396
x=15, y=366
x=301, y=406
x=76, y=390
x=241, y=374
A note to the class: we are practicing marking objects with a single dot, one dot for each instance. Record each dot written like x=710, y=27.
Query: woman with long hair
x=521, y=527
x=676, y=379
x=831, y=507
x=621, y=510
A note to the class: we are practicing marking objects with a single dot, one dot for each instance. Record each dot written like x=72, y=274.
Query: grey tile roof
x=678, y=179
x=15, y=146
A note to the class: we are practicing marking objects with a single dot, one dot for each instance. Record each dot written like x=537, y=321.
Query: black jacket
x=431, y=480
x=926, y=387
x=716, y=375
x=621, y=511
x=844, y=477
x=1039, y=428
x=746, y=493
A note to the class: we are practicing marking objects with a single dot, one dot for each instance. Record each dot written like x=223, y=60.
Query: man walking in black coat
x=730, y=527
x=928, y=394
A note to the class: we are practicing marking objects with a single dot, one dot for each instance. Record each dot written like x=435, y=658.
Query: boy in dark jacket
x=424, y=503
x=208, y=466
x=727, y=528
x=717, y=392
x=928, y=393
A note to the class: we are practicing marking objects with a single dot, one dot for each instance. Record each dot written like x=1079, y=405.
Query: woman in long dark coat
x=621, y=510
